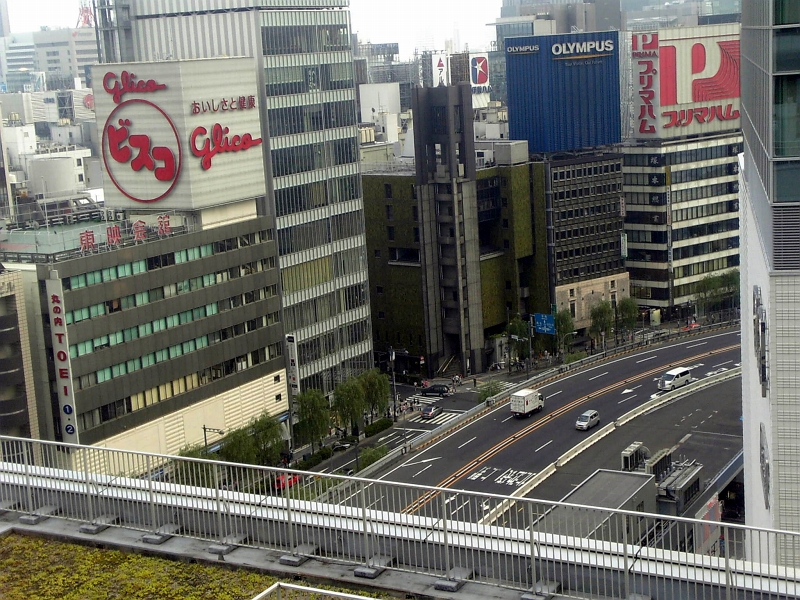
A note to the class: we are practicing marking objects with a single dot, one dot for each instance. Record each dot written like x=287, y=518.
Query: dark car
x=437, y=389
x=337, y=446
x=431, y=411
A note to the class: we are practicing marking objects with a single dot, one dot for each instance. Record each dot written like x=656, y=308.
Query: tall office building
x=770, y=199
x=5, y=25
x=305, y=72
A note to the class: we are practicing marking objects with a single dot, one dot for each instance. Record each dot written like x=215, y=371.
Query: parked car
x=437, y=389
x=282, y=481
x=337, y=446
x=587, y=420
x=431, y=411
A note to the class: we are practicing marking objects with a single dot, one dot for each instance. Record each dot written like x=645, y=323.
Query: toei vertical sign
x=180, y=134
x=292, y=370
x=67, y=414
x=686, y=81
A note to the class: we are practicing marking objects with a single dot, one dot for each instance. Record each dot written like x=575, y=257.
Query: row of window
x=165, y=354
x=301, y=39
x=284, y=81
x=311, y=117
x=328, y=378
x=168, y=291
x=315, y=233
x=568, y=234
x=701, y=268
x=587, y=211
x=309, y=157
x=704, y=210
x=705, y=248
x=686, y=233
x=682, y=157
x=587, y=191
x=588, y=250
x=590, y=269
x=702, y=191
x=309, y=196
x=114, y=410
x=561, y=174
x=165, y=260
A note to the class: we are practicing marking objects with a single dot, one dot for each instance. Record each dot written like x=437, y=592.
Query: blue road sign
x=545, y=323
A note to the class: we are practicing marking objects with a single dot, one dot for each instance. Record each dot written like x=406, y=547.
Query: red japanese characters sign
x=686, y=81
x=63, y=368
x=183, y=134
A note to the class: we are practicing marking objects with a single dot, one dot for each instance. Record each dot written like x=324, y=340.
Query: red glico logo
x=219, y=142
x=126, y=84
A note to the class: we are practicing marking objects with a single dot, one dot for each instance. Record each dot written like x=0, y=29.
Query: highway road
x=498, y=454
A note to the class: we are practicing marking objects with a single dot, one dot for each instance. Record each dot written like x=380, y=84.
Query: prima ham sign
x=181, y=135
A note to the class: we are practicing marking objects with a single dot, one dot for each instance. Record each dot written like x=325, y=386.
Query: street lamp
x=205, y=436
x=564, y=338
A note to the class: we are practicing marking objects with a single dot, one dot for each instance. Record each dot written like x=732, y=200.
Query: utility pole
x=394, y=383
x=508, y=341
x=530, y=345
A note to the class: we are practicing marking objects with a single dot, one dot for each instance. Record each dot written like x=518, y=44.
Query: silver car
x=587, y=420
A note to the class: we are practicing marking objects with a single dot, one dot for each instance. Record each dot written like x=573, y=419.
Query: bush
x=316, y=458
x=371, y=455
x=325, y=452
x=377, y=427
x=571, y=358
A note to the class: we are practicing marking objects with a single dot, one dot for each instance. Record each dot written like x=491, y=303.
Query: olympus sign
x=529, y=49
x=568, y=48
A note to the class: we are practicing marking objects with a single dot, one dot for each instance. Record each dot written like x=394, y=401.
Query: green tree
x=602, y=318
x=519, y=329
x=239, y=447
x=376, y=391
x=371, y=455
x=628, y=312
x=348, y=402
x=492, y=388
x=268, y=439
x=313, y=415
x=564, y=324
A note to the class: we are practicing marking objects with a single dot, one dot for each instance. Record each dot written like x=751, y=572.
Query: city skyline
x=414, y=25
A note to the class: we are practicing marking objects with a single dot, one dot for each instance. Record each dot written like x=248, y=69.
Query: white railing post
x=219, y=503
x=286, y=493
x=88, y=483
x=445, y=541
x=367, y=549
x=150, y=499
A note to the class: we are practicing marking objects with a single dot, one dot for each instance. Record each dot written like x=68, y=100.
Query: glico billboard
x=180, y=135
x=564, y=90
x=685, y=81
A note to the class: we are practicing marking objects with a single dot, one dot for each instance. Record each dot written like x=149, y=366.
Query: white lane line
x=629, y=390
x=459, y=508
x=596, y=376
x=720, y=364
x=468, y=441
x=554, y=394
x=696, y=345
x=646, y=359
x=627, y=398
x=508, y=419
x=544, y=446
x=376, y=501
x=422, y=471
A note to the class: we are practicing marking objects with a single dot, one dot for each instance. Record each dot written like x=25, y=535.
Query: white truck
x=525, y=402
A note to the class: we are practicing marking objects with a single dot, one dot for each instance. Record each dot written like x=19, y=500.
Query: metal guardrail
x=417, y=529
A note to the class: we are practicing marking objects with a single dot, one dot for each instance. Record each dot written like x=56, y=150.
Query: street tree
x=268, y=439
x=239, y=447
x=376, y=391
x=602, y=319
x=628, y=312
x=518, y=328
x=492, y=388
x=313, y=415
x=564, y=323
x=348, y=402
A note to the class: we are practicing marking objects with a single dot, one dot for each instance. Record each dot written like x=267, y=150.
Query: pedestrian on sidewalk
x=475, y=382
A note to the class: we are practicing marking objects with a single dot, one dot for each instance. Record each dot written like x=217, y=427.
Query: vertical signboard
x=441, y=69
x=480, y=80
x=291, y=365
x=645, y=83
x=68, y=418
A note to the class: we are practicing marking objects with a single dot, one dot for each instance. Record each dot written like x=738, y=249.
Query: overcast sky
x=412, y=23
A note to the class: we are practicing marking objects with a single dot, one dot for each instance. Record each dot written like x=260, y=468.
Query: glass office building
x=305, y=67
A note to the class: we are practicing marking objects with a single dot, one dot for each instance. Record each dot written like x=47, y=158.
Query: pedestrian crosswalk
x=437, y=420
x=502, y=385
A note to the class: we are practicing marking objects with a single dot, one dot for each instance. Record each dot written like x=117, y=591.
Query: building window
x=390, y=233
x=416, y=234
x=387, y=190
x=508, y=284
x=506, y=244
x=415, y=213
x=377, y=253
x=389, y=212
x=381, y=314
x=379, y=289
x=505, y=223
x=572, y=309
x=276, y=379
x=571, y=292
x=613, y=284
x=277, y=398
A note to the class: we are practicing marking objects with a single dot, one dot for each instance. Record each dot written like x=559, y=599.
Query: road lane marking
x=627, y=398
x=508, y=419
x=468, y=441
x=544, y=446
x=422, y=471
x=459, y=508
x=554, y=394
x=596, y=376
x=629, y=390
x=696, y=345
x=646, y=359
x=721, y=364
x=421, y=462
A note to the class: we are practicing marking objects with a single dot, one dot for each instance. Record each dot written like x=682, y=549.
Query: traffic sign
x=545, y=323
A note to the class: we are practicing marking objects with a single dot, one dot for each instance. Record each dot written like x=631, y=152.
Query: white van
x=674, y=378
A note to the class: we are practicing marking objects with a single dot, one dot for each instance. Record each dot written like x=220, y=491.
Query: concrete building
x=159, y=315
x=770, y=195
x=681, y=166
x=304, y=65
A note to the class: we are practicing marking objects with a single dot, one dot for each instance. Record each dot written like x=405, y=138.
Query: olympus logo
x=529, y=49
x=583, y=47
